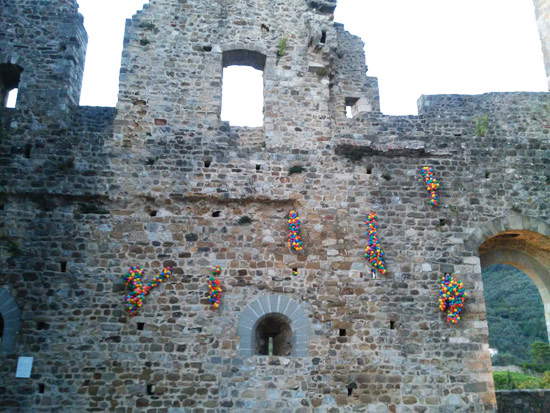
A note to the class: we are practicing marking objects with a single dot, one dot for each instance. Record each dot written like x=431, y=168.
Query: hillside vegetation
x=515, y=314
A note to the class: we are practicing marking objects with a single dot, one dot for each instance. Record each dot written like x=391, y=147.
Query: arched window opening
x=274, y=336
x=10, y=75
x=242, y=88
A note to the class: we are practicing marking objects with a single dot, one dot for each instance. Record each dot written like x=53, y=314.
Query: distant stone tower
x=42, y=53
x=542, y=11
x=161, y=181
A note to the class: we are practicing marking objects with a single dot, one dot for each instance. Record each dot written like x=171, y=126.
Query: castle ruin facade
x=160, y=181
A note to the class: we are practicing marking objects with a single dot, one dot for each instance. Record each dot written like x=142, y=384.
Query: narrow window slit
x=63, y=265
x=27, y=150
x=41, y=388
x=323, y=37
x=150, y=390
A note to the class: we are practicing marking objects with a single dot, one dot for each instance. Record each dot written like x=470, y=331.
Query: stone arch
x=268, y=305
x=522, y=242
x=11, y=317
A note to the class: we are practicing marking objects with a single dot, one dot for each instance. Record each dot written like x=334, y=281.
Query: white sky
x=413, y=47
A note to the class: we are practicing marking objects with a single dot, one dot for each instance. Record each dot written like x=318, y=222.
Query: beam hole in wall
x=10, y=76
x=63, y=266
x=351, y=387
x=140, y=326
x=153, y=213
x=273, y=335
x=342, y=332
x=150, y=390
x=487, y=175
x=216, y=214
x=369, y=170
x=41, y=388
x=351, y=107
x=27, y=151
x=392, y=325
x=323, y=37
x=258, y=167
x=207, y=163
x=243, y=88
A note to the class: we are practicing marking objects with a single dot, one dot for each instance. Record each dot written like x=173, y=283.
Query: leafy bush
x=481, y=125
x=507, y=380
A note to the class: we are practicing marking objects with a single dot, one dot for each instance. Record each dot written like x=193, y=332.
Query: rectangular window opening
x=243, y=88
x=351, y=108
x=41, y=388
x=150, y=390
x=11, y=100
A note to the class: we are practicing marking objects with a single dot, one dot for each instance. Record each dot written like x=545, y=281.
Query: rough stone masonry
x=159, y=181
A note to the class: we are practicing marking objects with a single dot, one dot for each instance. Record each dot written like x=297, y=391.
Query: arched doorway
x=519, y=241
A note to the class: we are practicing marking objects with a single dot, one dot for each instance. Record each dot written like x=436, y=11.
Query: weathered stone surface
x=88, y=192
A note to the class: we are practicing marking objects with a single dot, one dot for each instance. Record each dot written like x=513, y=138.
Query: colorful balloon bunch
x=294, y=238
x=451, y=297
x=373, y=251
x=134, y=277
x=215, y=288
x=432, y=184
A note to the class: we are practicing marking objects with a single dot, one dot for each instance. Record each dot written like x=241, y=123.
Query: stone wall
x=533, y=401
x=162, y=181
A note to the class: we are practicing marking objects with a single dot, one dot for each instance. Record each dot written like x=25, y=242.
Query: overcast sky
x=413, y=47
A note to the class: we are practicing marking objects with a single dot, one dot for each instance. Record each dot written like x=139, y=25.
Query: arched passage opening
x=527, y=251
x=10, y=76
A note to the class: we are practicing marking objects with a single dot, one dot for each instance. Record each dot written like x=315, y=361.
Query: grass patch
x=296, y=169
x=481, y=125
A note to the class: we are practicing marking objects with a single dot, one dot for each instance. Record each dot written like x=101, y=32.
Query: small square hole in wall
x=258, y=167
x=216, y=214
x=140, y=326
x=27, y=150
x=63, y=266
x=323, y=37
x=150, y=390
x=41, y=388
x=350, y=107
x=369, y=170
x=342, y=332
x=392, y=325
x=207, y=163
x=153, y=213
x=487, y=175
x=442, y=222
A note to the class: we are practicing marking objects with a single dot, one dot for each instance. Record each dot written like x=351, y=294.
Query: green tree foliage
x=515, y=314
x=506, y=380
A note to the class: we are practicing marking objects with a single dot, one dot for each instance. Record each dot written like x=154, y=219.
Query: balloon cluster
x=294, y=238
x=215, y=288
x=134, y=278
x=451, y=297
x=373, y=251
x=432, y=184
